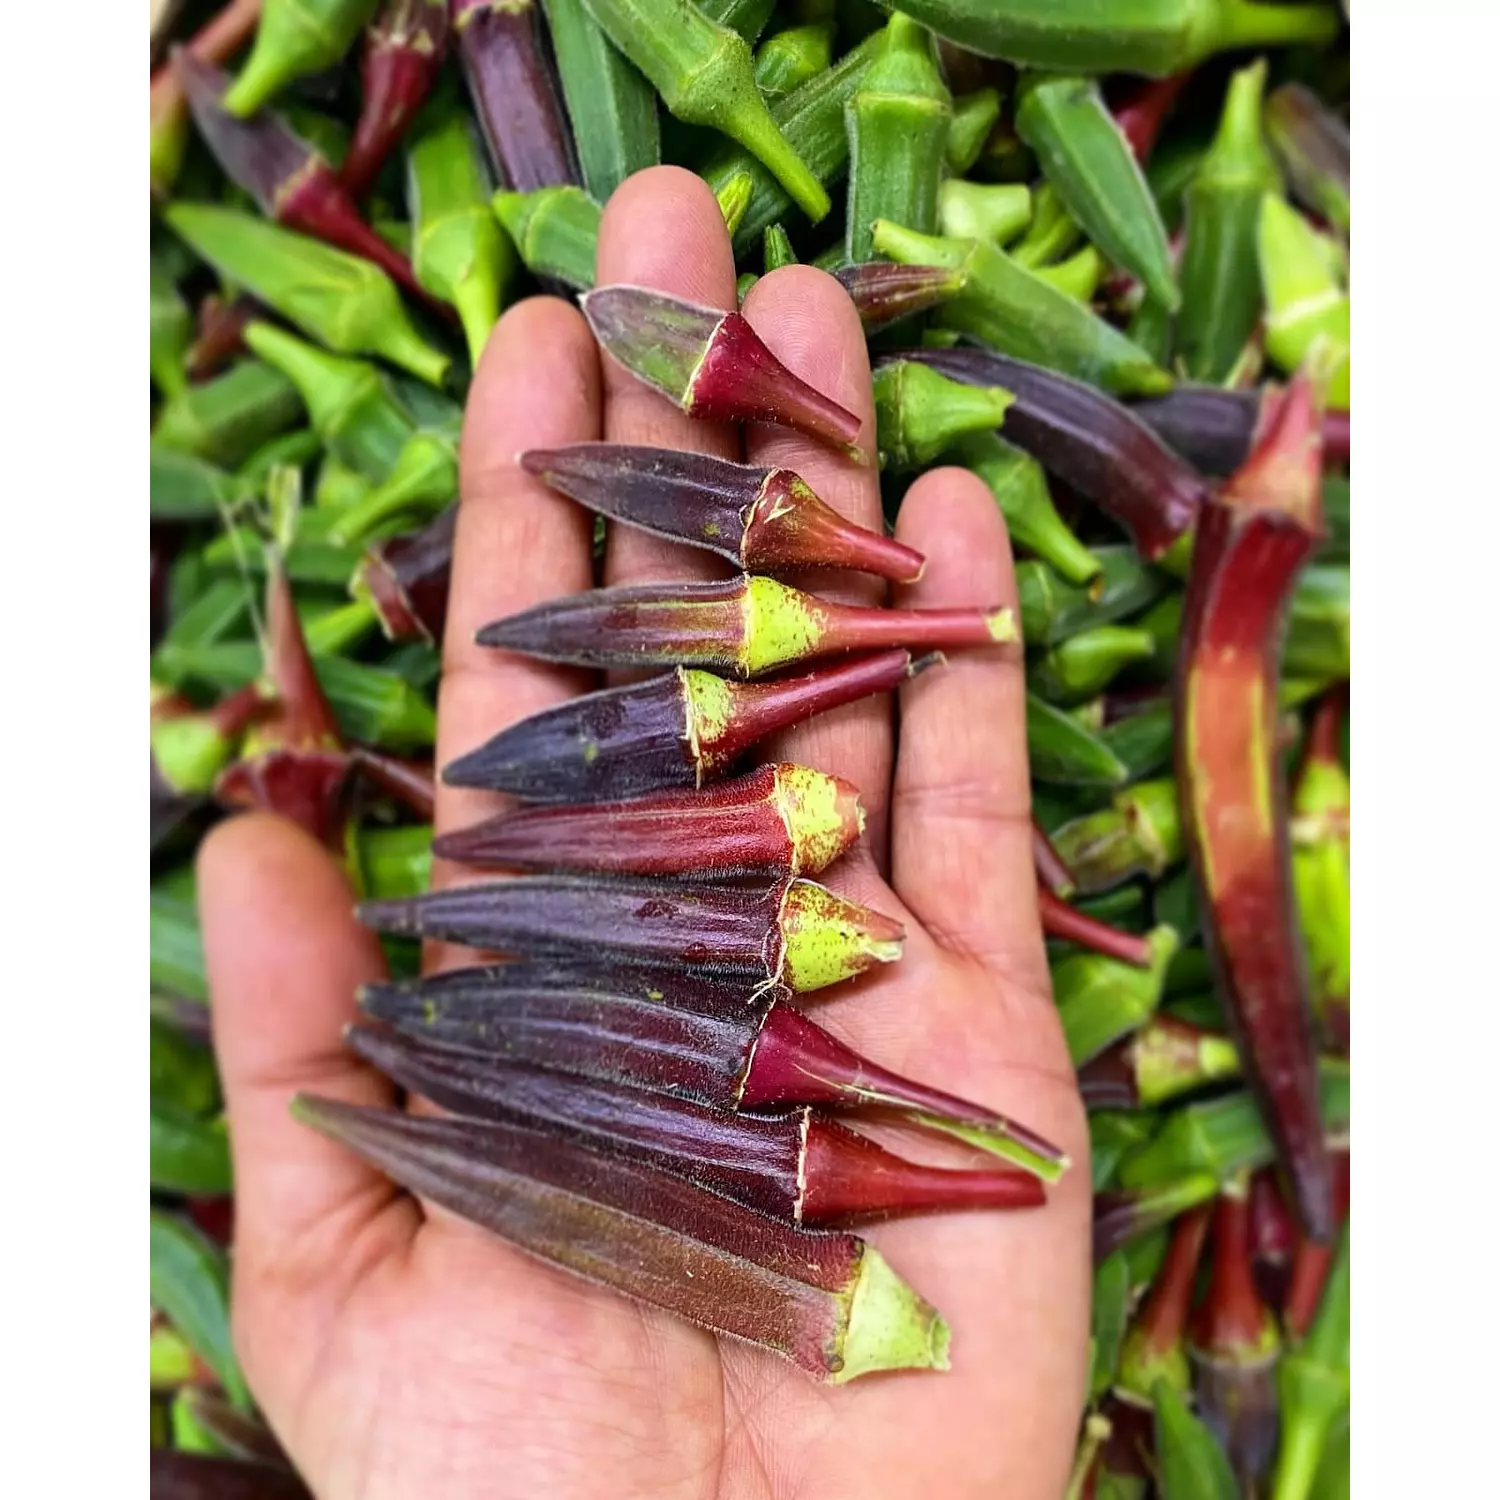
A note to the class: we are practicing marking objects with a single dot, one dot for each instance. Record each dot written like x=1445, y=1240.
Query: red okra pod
x=1214, y=428
x=1252, y=541
x=763, y=520
x=1166, y=1057
x=883, y=292
x=404, y=48
x=1069, y=925
x=1092, y=442
x=1234, y=1346
x=725, y=1043
x=778, y=820
x=790, y=1164
x=1155, y=1348
x=514, y=91
x=682, y=729
x=712, y=364
x=406, y=579
x=293, y=761
x=220, y=335
x=410, y=782
x=793, y=930
x=824, y=1300
x=1311, y=1263
x=288, y=178
x=744, y=627
x=1140, y=117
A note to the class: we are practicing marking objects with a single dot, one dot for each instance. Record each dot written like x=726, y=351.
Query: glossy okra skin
x=681, y=729
x=658, y=1238
x=760, y=519
x=1087, y=159
x=920, y=413
x=1220, y=275
x=898, y=124
x=788, y=1164
x=555, y=231
x=744, y=627
x=515, y=95
x=611, y=107
x=704, y=75
x=1017, y=313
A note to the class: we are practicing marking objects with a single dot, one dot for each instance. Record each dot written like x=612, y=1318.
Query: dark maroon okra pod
x=711, y=363
x=406, y=579
x=763, y=520
x=823, y=1299
x=220, y=334
x=514, y=92
x=682, y=729
x=1092, y=442
x=744, y=627
x=725, y=1044
x=404, y=49
x=289, y=180
x=1214, y=428
x=410, y=782
x=778, y=820
x=1140, y=117
x=790, y=1164
x=883, y=292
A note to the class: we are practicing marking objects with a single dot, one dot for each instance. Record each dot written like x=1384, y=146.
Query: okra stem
x=1069, y=925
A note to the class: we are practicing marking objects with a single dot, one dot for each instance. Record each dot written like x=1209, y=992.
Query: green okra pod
x=1089, y=163
x=1306, y=303
x=171, y=332
x=1191, y=1464
x=1108, y=1317
x=188, y=1155
x=229, y=417
x=1052, y=608
x=352, y=407
x=1152, y=37
x=1101, y=999
x=1144, y=742
x=295, y=38
x=898, y=125
x=1088, y=662
x=457, y=250
x=747, y=17
x=1140, y=833
x=182, y=1071
x=777, y=249
x=344, y=302
x=920, y=413
x=1317, y=640
x=1219, y=274
x=812, y=119
x=1004, y=305
x=422, y=481
x=190, y=1284
x=293, y=448
x=705, y=76
x=974, y=117
x=994, y=211
x=787, y=60
x=555, y=231
x=1312, y=144
x=1051, y=233
x=1078, y=276
x=176, y=944
x=185, y=488
x=1064, y=753
x=611, y=107
x=1020, y=489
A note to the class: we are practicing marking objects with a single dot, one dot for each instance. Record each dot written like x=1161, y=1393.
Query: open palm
x=398, y=1351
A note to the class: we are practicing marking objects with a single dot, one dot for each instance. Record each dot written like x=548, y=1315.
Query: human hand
x=399, y=1351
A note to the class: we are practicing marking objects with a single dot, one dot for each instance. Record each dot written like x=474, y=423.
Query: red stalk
x=1141, y=117
x=792, y=1165
x=410, y=782
x=221, y=329
x=1252, y=540
x=404, y=50
x=743, y=627
x=290, y=180
x=779, y=820
x=1069, y=925
x=1051, y=869
x=1311, y=1262
x=514, y=93
x=1154, y=1347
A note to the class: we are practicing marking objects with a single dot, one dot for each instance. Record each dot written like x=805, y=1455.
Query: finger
x=517, y=541
x=285, y=957
x=960, y=814
x=662, y=229
x=808, y=322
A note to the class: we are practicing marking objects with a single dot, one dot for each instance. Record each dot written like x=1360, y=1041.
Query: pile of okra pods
x=1100, y=249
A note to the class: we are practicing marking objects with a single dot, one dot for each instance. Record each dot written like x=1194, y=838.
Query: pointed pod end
x=826, y=939
x=822, y=815
x=890, y=1326
x=1007, y=1140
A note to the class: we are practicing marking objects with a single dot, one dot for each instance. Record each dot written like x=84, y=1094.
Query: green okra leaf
x=229, y=417
x=183, y=1075
x=1190, y=1463
x=1220, y=275
x=704, y=75
x=1016, y=312
x=611, y=107
x=974, y=117
x=1064, y=753
x=555, y=231
x=184, y=488
x=347, y=304
x=1107, y=1320
x=1100, y=999
x=1086, y=158
x=188, y=1155
x=1019, y=485
x=457, y=250
x=190, y=1284
x=898, y=125
x=787, y=60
